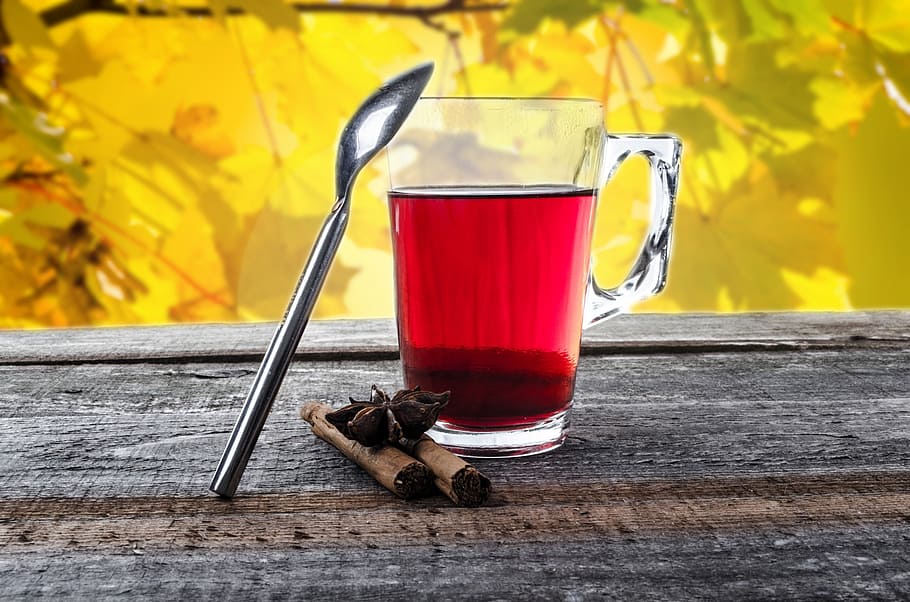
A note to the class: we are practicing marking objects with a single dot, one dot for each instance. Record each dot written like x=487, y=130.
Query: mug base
x=502, y=443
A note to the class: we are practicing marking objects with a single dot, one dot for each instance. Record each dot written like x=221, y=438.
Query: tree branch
x=72, y=9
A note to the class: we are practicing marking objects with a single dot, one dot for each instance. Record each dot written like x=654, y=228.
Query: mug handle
x=649, y=273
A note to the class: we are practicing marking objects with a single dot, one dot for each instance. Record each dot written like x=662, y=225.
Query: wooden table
x=730, y=457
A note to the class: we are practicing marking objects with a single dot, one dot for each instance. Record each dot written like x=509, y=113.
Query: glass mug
x=492, y=204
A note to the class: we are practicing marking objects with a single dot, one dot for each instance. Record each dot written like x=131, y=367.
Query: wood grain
x=158, y=427
x=750, y=456
x=376, y=339
x=834, y=563
x=518, y=513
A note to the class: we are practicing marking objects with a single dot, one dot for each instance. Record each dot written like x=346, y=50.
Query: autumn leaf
x=760, y=87
x=871, y=204
x=527, y=15
x=274, y=13
x=737, y=243
x=178, y=168
x=23, y=25
x=197, y=125
x=47, y=139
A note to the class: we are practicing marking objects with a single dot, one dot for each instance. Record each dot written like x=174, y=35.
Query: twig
x=627, y=87
x=257, y=96
x=459, y=58
x=636, y=54
x=75, y=8
x=611, y=28
x=611, y=57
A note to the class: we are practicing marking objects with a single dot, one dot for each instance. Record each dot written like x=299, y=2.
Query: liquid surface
x=490, y=291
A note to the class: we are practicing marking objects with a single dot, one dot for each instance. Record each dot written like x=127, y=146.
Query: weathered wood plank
x=211, y=342
x=153, y=429
x=376, y=339
x=128, y=456
x=861, y=561
x=516, y=513
x=772, y=463
x=680, y=381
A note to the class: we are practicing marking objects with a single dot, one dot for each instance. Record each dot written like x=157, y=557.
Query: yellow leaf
x=46, y=138
x=839, y=101
x=154, y=305
x=523, y=80
x=77, y=60
x=741, y=241
x=720, y=167
x=198, y=126
x=24, y=25
x=886, y=22
x=274, y=13
x=369, y=292
x=871, y=205
x=620, y=222
x=191, y=249
x=369, y=226
x=822, y=290
x=272, y=261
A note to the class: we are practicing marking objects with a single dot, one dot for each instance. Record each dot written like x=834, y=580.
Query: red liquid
x=490, y=287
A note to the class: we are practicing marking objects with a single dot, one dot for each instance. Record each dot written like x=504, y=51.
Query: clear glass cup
x=492, y=205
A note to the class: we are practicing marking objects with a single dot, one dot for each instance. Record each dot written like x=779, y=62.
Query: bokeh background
x=169, y=161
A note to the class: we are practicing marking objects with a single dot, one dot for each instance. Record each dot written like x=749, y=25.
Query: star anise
x=409, y=413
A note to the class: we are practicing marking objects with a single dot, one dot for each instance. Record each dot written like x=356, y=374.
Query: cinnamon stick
x=392, y=468
x=461, y=482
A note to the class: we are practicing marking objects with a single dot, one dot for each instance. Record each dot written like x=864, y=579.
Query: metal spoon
x=369, y=130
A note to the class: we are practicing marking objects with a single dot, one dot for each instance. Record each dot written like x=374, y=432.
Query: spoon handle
x=279, y=354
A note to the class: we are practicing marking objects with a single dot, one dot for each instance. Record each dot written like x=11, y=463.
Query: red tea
x=490, y=286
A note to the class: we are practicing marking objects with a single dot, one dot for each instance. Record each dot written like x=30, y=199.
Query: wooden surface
x=719, y=457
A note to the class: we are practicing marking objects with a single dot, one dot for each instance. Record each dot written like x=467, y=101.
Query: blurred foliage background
x=172, y=161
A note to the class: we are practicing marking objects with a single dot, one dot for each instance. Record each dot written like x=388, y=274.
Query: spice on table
x=459, y=481
x=386, y=424
x=392, y=468
x=383, y=419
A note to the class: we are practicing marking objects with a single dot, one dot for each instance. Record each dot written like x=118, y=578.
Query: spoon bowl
x=375, y=123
